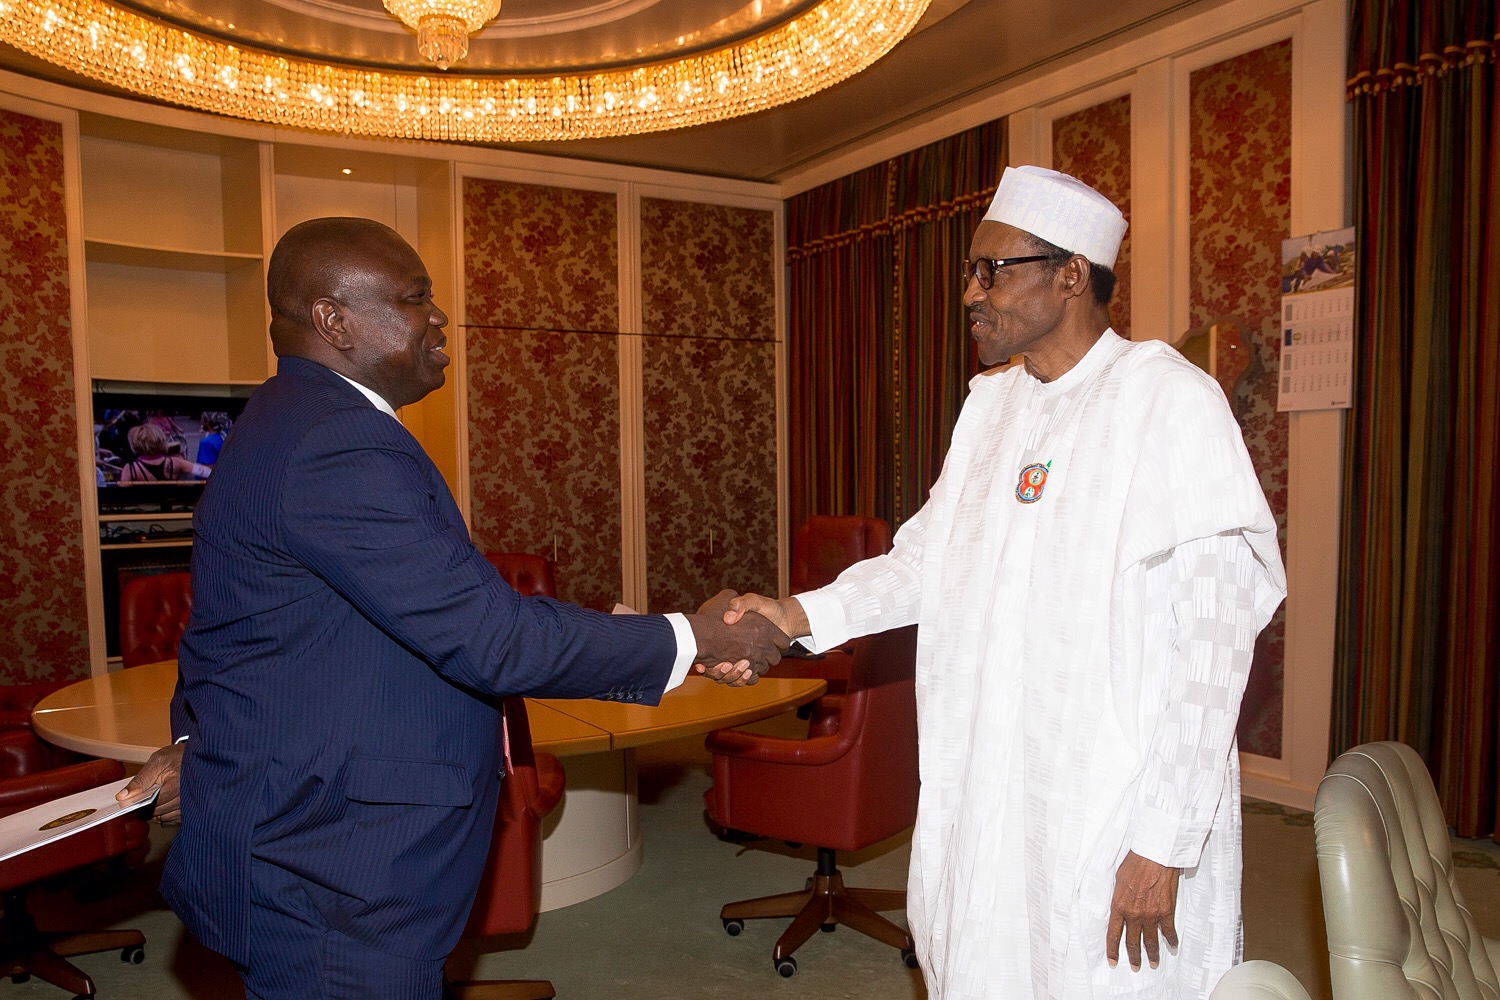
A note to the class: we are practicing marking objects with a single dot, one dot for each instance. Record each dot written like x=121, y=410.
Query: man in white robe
x=1088, y=576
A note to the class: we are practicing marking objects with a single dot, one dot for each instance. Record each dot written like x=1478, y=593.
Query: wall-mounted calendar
x=1317, y=322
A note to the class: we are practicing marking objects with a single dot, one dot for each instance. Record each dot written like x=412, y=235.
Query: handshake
x=741, y=636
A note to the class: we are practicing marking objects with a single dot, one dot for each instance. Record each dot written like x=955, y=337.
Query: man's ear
x=328, y=321
x=1074, y=276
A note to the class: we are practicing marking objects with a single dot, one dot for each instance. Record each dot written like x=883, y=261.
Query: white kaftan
x=1080, y=661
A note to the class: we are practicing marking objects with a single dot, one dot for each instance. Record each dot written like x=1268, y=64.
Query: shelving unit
x=173, y=242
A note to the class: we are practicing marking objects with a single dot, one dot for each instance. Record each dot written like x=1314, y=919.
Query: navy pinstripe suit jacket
x=339, y=674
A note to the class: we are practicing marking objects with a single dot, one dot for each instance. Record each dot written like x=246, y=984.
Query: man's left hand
x=1143, y=908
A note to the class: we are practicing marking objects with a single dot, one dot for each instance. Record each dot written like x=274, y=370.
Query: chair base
x=26, y=951
x=826, y=904
x=509, y=989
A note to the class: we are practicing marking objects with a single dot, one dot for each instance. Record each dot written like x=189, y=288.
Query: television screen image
x=156, y=449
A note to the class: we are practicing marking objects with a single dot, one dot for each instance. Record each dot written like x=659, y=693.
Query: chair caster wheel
x=828, y=928
x=910, y=958
x=133, y=955
x=786, y=966
x=733, y=927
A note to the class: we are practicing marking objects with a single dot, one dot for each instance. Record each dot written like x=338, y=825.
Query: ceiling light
x=112, y=44
x=443, y=27
x=346, y=171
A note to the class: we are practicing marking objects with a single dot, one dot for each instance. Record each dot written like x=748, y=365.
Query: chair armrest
x=32, y=790
x=1259, y=981
x=550, y=782
x=814, y=752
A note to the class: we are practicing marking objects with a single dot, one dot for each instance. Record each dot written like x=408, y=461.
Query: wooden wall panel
x=1240, y=211
x=43, y=616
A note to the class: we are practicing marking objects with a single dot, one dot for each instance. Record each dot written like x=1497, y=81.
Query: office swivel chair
x=154, y=613
x=510, y=891
x=26, y=951
x=851, y=783
x=528, y=575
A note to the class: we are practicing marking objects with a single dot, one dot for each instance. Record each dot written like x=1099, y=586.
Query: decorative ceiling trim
x=114, y=45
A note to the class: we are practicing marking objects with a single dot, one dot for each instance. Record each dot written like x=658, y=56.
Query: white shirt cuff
x=687, y=648
x=826, y=619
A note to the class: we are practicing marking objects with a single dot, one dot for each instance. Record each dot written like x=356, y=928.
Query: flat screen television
x=155, y=446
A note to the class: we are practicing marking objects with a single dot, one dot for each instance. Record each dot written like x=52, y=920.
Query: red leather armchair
x=154, y=613
x=17, y=701
x=24, y=949
x=850, y=784
x=528, y=575
x=511, y=889
x=824, y=547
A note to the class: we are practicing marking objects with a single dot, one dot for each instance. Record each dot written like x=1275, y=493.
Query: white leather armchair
x=1258, y=981
x=1397, y=924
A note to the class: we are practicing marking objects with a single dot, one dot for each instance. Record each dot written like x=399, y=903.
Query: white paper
x=31, y=828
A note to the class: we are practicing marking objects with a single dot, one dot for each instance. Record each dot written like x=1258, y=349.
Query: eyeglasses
x=984, y=268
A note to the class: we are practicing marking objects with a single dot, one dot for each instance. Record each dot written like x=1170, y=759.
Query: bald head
x=353, y=296
x=318, y=258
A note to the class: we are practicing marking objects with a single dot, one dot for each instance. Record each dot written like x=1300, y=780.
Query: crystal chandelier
x=108, y=41
x=443, y=27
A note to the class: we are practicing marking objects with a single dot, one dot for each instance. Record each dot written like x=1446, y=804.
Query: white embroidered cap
x=1060, y=209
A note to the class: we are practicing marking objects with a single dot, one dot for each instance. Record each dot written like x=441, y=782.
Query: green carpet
x=659, y=934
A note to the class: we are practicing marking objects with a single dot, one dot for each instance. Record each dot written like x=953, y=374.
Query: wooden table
x=592, y=841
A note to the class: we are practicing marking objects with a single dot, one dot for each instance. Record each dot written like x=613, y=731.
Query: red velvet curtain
x=878, y=353
x=1419, y=641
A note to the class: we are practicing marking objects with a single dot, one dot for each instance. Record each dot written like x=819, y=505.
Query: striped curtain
x=878, y=350
x=1419, y=642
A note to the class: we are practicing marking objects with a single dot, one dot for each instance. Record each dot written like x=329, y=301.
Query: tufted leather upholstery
x=829, y=544
x=850, y=784
x=510, y=890
x=528, y=575
x=154, y=613
x=26, y=950
x=17, y=701
x=1397, y=924
x=1258, y=981
x=824, y=547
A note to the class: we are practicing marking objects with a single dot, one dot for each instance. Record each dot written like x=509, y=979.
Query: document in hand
x=31, y=828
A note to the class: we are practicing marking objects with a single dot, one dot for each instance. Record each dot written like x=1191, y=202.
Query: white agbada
x=1080, y=661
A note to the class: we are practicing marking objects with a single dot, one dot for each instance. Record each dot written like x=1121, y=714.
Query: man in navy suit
x=339, y=678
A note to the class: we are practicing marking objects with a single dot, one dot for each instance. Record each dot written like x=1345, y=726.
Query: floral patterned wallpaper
x=707, y=270
x=710, y=494
x=540, y=258
x=1240, y=212
x=542, y=309
x=1094, y=146
x=707, y=285
x=544, y=453
x=43, y=616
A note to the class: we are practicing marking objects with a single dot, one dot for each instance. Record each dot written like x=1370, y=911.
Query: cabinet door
x=544, y=453
x=708, y=298
x=541, y=305
x=710, y=435
x=43, y=616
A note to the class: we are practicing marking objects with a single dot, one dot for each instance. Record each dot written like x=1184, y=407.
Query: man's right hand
x=786, y=614
x=750, y=638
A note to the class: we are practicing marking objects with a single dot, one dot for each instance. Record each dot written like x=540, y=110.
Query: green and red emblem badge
x=1033, y=480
